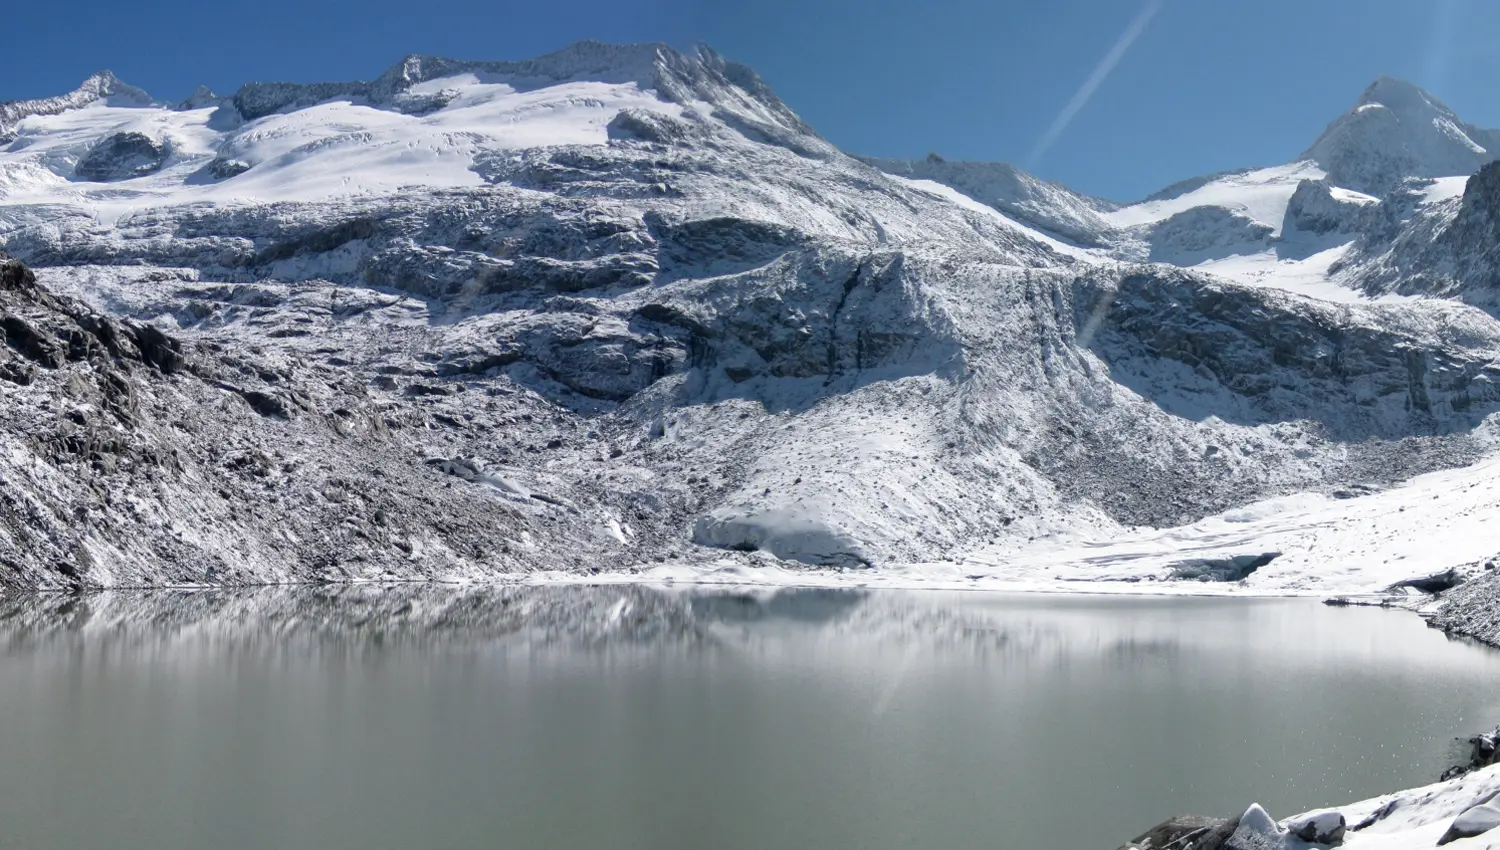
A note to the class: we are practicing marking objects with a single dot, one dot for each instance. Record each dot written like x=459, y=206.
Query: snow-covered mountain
x=619, y=308
x=1398, y=131
x=101, y=89
x=1386, y=167
x=1039, y=204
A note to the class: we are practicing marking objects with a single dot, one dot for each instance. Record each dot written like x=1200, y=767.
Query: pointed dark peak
x=201, y=98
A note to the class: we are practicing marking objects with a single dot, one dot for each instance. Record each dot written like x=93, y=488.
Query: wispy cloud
x=1096, y=79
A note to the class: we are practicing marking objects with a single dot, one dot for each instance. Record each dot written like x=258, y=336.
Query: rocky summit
x=618, y=309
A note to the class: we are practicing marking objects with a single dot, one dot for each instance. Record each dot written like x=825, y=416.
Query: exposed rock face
x=223, y=169
x=1451, y=249
x=139, y=459
x=1387, y=382
x=1237, y=568
x=1050, y=207
x=1199, y=233
x=1315, y=209
x=201, y=98
x=1435, y=583
x=122, y=157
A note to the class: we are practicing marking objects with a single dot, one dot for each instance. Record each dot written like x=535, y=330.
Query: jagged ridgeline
x=619, y=308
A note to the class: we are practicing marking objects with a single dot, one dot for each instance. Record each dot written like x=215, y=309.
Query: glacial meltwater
x=651, y=718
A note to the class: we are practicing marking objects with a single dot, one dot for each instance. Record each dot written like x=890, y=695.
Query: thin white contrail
x=1096, y=79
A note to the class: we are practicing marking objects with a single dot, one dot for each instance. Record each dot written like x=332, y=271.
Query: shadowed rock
x=1188, y=832
x=1236, y=568
x=1476, y=820
x=1435, y=583
x=122, y=156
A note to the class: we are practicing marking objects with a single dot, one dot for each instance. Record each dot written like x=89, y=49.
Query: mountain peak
x=1398, y=130
x=1397, y=94
x=583, y=59
x=102, y=86
x=731, y=90
x=202, y=97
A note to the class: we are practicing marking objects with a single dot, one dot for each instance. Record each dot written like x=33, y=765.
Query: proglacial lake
x=637, y=717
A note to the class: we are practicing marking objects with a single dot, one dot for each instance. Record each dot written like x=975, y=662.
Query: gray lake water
x=631, y=717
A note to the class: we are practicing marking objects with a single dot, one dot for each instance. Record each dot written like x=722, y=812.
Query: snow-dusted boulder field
x=619, y=309
x=1459, y=811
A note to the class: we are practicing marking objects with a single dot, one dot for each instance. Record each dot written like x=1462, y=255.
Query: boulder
x=224, y=169
x=1321, y=828
x=1189, y=832
x=1477, y=820
x=1257, y=831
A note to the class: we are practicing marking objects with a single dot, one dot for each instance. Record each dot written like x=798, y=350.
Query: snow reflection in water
x=627, y=716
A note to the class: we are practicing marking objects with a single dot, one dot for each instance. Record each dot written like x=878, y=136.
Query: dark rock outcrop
x=1435, y=583
x=1445, y=249
x=1235, y=568
x=1295, y=360
x=1185, y=833
x=1205, y=232
x=1314, y=209
x=1484, y=750
x=1325, y=828
x=224, y=169
x=122, y=156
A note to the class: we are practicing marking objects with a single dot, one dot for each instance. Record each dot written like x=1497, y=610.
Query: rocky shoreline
x=1472, y=610
x=1464, y=604
x=1467, y=793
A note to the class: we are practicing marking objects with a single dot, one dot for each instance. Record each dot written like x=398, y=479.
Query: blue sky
x=1206, y=85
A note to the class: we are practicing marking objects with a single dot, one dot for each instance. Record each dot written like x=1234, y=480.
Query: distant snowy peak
x=103, y=87
x=1049, y=206
x=1398, y=130
x=202, y=97
x=733, y=90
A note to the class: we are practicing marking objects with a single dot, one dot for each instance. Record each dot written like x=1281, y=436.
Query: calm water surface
x=629, y=717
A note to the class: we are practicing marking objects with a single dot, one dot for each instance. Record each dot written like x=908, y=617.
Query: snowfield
x=326, y=151
x=1262, y=195
x=1348, y=544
